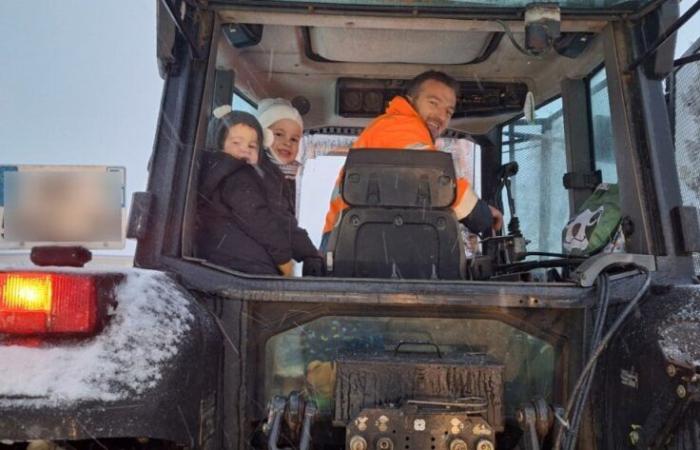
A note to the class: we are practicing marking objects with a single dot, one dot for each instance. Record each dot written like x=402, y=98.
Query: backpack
x=596, y=225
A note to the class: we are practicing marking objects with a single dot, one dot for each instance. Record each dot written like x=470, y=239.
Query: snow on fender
x=152, y=318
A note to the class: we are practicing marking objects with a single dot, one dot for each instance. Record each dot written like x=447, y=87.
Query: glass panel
x=455, y=3
x=317, y=183
x=239, y=103
x=324, y=156
x=541, y=202
x=686, y=112
x=603, y=143
x=299, y=359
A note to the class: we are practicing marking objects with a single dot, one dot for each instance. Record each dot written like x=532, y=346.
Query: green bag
x=596, y=226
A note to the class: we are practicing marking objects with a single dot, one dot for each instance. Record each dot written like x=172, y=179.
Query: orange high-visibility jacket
x=400, y=128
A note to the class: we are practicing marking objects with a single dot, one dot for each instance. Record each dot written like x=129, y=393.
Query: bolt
x=485, y=445
x=681, y=392
x=355, y=220
x=441, y=223
x=358, y=443
x=398, y=221
x=385, y=444
x=671, y=370
x=458, y=444
x=634, y=437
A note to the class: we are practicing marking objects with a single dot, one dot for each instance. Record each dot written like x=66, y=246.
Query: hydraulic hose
x=582, y=386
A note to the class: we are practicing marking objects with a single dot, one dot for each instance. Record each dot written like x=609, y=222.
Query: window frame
x=589, y=96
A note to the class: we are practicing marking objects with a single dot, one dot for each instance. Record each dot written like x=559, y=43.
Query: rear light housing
x=54, y=303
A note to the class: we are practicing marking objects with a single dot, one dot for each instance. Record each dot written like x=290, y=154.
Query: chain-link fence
x=684, y=99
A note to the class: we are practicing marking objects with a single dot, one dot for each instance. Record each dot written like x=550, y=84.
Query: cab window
x=601, y=126
x=542, y=202
x=303, y=358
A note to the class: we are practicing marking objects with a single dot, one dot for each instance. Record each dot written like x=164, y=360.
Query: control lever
x=505, y=172
x=289, y=411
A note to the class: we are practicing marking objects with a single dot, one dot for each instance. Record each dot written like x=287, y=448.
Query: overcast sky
x=79, y=82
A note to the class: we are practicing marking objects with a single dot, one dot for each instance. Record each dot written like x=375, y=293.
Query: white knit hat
x=270, y=110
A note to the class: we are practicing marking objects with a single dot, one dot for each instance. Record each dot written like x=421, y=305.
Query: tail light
x=53, y=303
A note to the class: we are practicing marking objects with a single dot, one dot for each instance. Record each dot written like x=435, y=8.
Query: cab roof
x=305, y=52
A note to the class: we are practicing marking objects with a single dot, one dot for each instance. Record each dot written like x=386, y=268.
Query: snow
x=124, y=359
x=681, y=334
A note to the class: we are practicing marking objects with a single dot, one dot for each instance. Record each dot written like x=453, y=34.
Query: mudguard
x=649, y=387
x=151, y=372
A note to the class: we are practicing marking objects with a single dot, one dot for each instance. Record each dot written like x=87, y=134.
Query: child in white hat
x=283, y=129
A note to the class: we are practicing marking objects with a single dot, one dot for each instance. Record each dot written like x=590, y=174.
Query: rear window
x=295, y=358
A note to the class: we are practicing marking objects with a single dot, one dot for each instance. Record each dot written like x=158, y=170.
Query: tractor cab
x=575, y=326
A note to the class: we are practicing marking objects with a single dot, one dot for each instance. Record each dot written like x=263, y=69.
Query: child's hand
x=286, y=269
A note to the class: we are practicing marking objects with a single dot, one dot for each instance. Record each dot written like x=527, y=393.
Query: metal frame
x=634, y=199
x=577, y=134
x=234, y=299
x=171, y=161
x=645, y=150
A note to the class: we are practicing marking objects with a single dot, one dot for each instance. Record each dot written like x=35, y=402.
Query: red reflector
x=38, y=303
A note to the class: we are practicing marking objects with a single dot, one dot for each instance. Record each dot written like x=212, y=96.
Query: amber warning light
x=52, y=303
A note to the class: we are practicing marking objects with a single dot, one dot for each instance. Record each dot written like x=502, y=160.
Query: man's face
x=435, y=103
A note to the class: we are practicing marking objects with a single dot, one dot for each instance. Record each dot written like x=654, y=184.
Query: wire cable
x=582, y=386
x=603, y=303
x=517, y=46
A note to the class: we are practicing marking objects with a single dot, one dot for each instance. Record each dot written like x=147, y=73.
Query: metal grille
x=685, y=108
x=541, y=202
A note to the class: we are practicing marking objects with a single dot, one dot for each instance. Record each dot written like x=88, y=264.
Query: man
x=414, y=122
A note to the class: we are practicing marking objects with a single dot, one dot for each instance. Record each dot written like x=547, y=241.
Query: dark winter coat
x=245, y=221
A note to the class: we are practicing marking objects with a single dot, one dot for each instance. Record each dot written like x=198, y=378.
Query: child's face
x=242, y=143
x=287, y=136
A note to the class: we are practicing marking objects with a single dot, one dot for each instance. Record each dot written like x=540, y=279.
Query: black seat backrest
x=399, y=223
x=399, y=178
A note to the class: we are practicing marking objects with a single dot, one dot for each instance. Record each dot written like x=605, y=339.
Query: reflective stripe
x=337, y=205
x=333, y=215
x=419, y=146
x=466, y=199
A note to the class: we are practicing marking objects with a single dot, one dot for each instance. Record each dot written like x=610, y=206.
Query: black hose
x=529, y=265
x=579, y=387
x=555, y=255
x=601, y=314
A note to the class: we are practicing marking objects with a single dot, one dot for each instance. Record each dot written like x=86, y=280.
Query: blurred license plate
x=76, y=205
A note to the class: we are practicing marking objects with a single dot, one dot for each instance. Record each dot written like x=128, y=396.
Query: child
x=282, y=140
x=243, y=219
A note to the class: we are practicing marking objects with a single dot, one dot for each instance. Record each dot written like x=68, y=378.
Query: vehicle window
x=294, y=359
x=541, y=201
x=685, y=109
x=315, y=193
x=324, y=156
x=240, y=103
x=603, y=143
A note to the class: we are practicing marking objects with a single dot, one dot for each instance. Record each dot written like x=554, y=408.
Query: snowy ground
x=151, y=318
